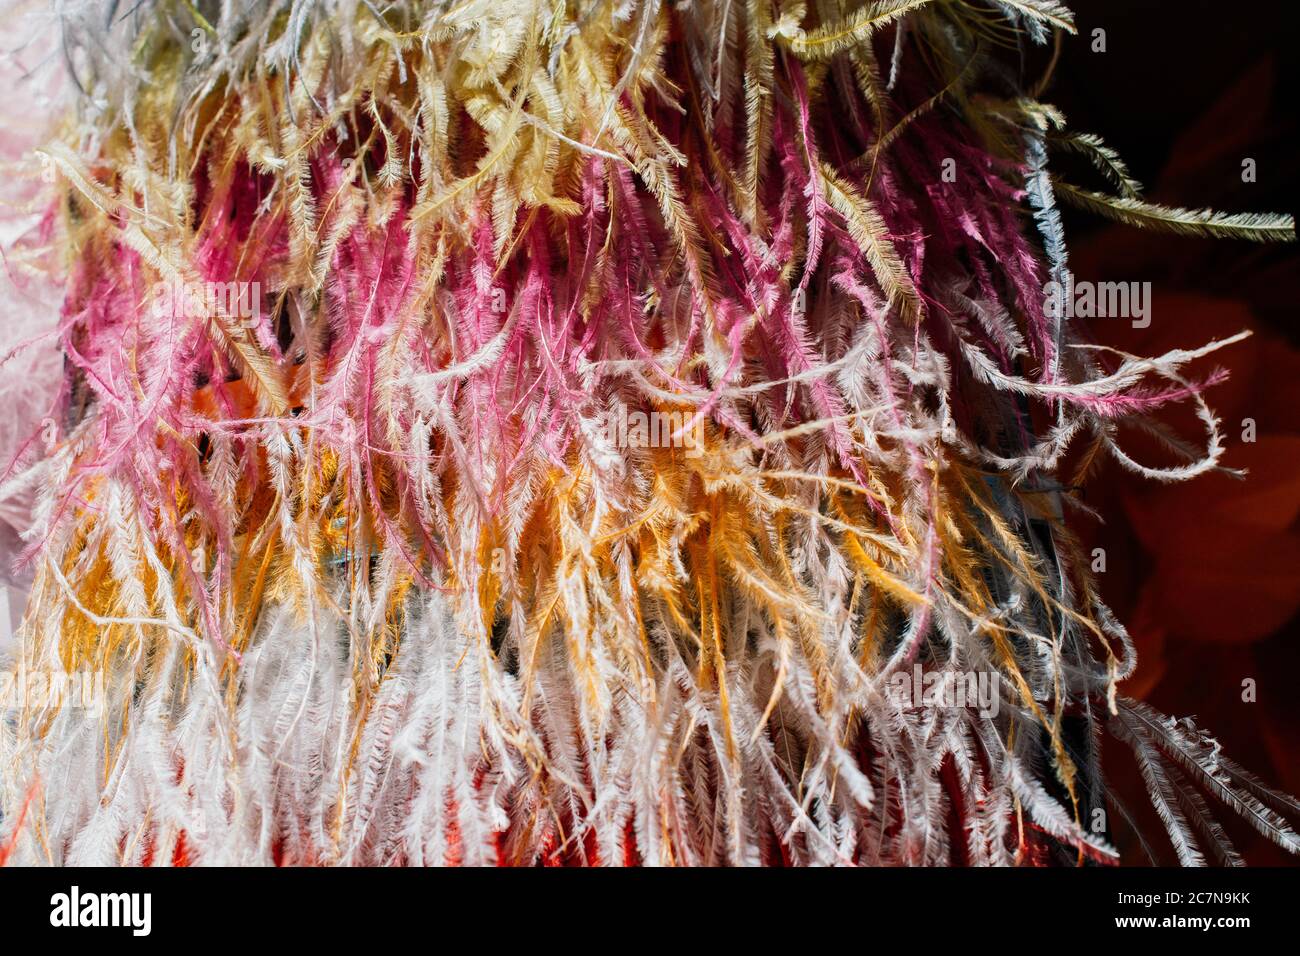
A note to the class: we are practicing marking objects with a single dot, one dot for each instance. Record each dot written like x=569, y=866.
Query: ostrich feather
x=621, y=421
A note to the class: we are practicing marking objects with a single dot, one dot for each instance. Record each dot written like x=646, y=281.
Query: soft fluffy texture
x=366, y=576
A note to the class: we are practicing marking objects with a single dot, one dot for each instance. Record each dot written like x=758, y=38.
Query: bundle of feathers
x=619, y=408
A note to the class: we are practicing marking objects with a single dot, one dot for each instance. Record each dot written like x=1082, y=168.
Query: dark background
x=1206, y=575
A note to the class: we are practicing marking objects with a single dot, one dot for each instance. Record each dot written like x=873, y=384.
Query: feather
x=630, y=425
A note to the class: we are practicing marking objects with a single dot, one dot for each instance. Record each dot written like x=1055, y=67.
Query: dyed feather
x=369, y=576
